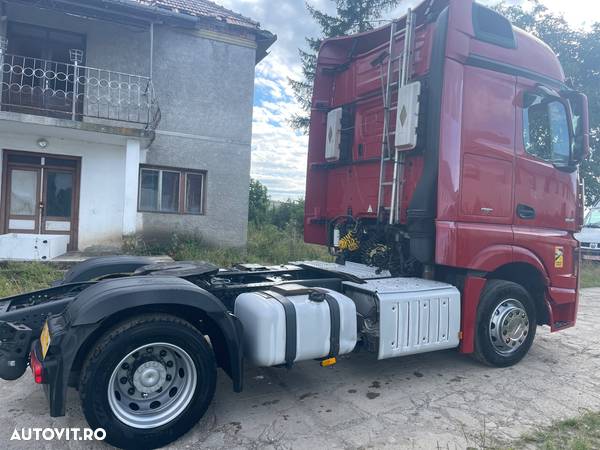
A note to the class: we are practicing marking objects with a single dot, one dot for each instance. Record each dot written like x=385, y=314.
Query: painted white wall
x=102, y=190
x=131, y=177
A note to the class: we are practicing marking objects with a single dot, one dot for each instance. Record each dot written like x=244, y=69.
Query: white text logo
x=58, y=434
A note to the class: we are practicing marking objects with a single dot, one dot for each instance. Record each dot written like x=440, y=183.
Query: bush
x=261, y=211
x=288, y=213
x=267, y=244
x=258, y=203
x=272, y=245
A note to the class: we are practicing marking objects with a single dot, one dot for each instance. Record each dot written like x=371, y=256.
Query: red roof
x=202, y=8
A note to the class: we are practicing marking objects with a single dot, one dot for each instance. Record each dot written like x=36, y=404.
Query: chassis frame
x=98, y=293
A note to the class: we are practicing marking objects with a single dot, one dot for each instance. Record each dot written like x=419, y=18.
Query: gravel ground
x=437, y=400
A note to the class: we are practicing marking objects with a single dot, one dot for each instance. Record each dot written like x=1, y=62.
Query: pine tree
x=352, y=16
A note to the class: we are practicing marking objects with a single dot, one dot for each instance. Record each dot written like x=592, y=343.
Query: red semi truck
x=481, y=182
x=442, y=173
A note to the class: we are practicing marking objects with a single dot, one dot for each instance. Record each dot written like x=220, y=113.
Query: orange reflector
x=328, y=362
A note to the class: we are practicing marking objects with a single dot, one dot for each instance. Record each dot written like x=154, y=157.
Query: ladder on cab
x=389, y=153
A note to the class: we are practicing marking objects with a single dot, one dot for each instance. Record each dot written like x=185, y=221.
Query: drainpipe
x=151, y=49
x=150, y=87
x=3, y=47
x=3, y=38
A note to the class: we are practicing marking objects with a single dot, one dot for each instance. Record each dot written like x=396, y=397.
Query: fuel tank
x=292, y=323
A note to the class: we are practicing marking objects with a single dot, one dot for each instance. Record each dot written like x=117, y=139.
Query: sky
x=278, y=151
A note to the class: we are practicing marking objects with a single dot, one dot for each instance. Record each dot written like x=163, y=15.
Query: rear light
x=36, y=368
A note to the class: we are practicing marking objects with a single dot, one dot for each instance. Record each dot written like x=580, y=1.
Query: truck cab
x=483, y=185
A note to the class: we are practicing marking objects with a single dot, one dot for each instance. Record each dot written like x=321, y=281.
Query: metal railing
x=76, y=92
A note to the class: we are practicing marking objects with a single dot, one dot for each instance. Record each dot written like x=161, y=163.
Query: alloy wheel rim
x=509, y=326
x=152, y=385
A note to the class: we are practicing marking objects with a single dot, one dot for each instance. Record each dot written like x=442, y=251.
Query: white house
x=125, y=116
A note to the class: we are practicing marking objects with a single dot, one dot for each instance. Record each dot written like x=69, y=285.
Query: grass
x=580, y=433
x=590, y=275
x=18, y=277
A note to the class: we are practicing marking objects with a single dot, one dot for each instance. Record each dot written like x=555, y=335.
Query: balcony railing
x=76, y=92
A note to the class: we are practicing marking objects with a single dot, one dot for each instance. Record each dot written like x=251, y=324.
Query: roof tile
x=202, y=8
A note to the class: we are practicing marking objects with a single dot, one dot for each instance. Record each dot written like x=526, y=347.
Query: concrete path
x=440, y=400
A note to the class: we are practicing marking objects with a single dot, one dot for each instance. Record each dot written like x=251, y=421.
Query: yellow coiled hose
x=349, y=242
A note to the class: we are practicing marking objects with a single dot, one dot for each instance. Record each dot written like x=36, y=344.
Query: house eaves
x=179, y=13
x=170, y=12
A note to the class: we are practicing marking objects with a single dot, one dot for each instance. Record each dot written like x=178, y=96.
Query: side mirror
x=581, y=125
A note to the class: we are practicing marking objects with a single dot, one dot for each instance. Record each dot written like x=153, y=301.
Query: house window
x=170, y=190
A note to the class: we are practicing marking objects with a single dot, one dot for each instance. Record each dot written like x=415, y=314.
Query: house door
x=23, y=199
x=41, y=194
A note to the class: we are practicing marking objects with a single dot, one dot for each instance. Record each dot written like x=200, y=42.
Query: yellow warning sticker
x=559, y=257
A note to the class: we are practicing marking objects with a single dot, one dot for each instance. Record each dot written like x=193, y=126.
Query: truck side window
x=546, y=130
x=492, y=27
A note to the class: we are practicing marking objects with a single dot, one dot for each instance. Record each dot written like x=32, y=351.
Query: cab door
x=487, y=155
x=545, y=189
x=545, y=214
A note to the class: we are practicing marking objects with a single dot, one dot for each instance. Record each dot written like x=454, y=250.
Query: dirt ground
x=439, y=400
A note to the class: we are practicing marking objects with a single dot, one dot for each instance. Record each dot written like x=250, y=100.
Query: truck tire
x=506, y=324
x=147, y=381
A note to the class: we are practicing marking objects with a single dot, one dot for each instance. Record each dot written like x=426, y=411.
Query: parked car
x=589, y=238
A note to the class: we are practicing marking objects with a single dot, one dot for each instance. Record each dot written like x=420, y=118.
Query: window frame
x=569, y=119
x=182, y=192
x=184, y=200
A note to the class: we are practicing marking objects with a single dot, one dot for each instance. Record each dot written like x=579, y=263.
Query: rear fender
x=107, y=300
x=93, y=268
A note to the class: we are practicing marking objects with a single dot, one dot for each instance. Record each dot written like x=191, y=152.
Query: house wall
x=206, y=91
x=101, y=191
x=204, y=84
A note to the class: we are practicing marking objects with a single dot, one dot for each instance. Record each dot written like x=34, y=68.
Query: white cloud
x=278, y=151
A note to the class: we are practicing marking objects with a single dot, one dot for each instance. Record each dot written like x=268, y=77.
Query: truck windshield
x=592, y=220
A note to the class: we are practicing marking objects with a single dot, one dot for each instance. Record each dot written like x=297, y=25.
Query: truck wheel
x=148, y=381
x=506, y=324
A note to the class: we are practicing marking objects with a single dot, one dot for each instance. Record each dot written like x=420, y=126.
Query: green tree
x=579, y=54
x=258, y=207
x=352, y=16
x=290, y=212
